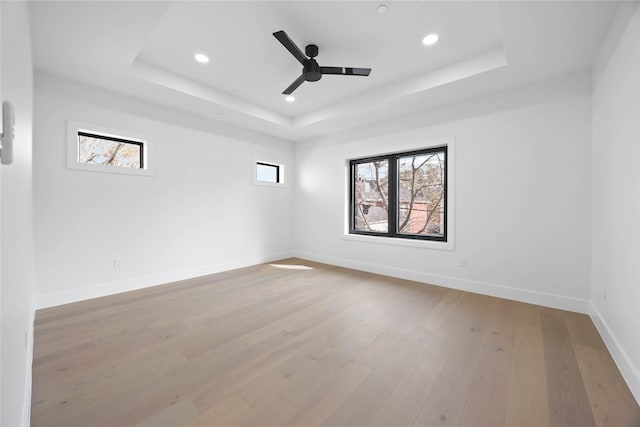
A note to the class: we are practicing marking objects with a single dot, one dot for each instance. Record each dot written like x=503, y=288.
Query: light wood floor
x=274, y=346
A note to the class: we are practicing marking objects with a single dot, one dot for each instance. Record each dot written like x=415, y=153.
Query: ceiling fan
x=311, y=71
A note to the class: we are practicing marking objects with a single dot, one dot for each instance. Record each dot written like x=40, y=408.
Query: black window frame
x=115, y=139
x=392, y=228
x=278, y=180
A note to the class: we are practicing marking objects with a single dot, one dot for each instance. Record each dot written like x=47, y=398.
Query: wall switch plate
x=8, y=133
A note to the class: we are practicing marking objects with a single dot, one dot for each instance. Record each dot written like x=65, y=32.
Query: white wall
x=522, y=195
x=16, y=229
x=616, y=193
x=199, y=214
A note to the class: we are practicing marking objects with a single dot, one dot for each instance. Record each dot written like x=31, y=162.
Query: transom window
x=267, y=172
x=97, y=148
x=94, y=148
x=400, y=195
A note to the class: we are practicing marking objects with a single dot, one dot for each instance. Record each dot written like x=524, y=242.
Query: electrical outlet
x=116, y=264
x=462, y=262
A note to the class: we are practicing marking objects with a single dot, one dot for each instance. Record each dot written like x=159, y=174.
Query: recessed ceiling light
x=382, y=9
x=289, y=98
x=430, y=39
x=201, y=58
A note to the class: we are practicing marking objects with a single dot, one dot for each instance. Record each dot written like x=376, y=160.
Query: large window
x=400, y=195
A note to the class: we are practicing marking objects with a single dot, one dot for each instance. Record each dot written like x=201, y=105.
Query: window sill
x=424, y=244
x=270, y=184
x=74, y=165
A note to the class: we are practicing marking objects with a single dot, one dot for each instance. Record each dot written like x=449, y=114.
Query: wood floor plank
x=298, y=343
x=330, y=395
x=363, y=404
x=486, y=402
x=568, y=401
x=177, y=413
x=87, y=402
x=226, y=413
x=527, y=400
x=445, y=402
x=404, y=402
x=272, y=411
x=329, y=353
x=316, y=337
x=610, y=402
x=582, y=331
x=442, y=310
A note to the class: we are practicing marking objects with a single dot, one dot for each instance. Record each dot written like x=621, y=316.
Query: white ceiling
x=145, y=50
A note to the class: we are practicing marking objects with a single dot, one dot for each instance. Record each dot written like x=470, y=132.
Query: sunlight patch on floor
x=292, y=266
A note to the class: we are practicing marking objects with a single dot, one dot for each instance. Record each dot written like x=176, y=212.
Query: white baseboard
x=26, y=404
x=630, y=372
x=111, y=288
x=500, y=291
x=523, y=295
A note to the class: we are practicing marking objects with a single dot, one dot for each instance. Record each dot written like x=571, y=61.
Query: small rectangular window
x=402, y=195
x=97, y=148
x=267, y=172
x=94, y=148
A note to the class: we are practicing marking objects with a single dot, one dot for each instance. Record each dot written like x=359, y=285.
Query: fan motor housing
x=311, y=70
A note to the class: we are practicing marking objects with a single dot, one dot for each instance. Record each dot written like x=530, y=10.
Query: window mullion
x=352, y=197
x=392, y=201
